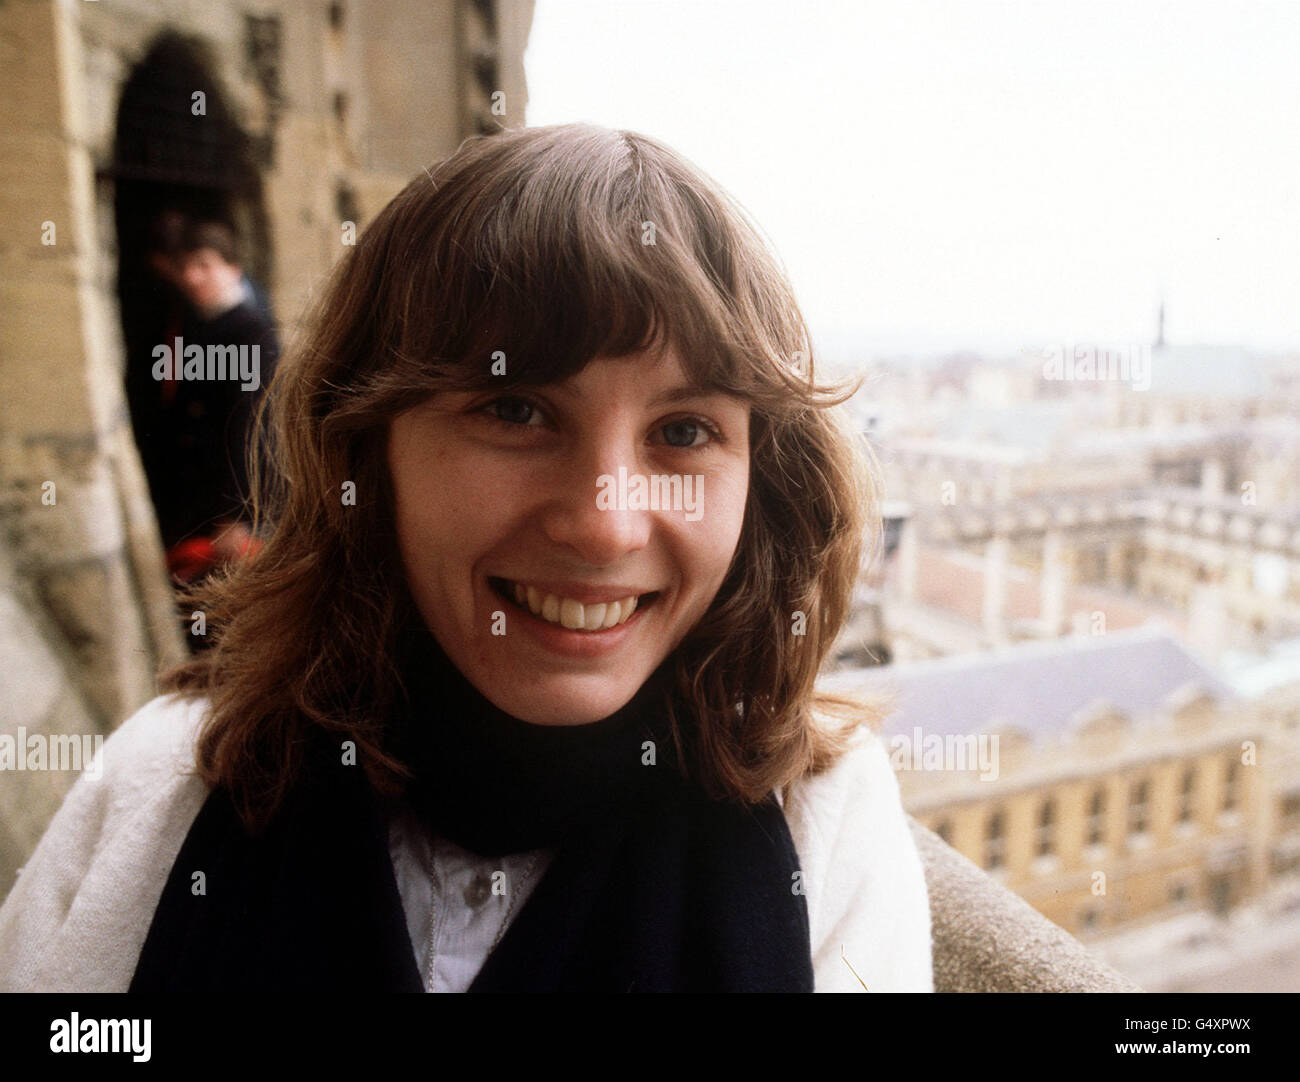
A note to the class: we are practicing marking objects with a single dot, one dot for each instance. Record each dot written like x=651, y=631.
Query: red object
x=192, y=558
x=195, y=557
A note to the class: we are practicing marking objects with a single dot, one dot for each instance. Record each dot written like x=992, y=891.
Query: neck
x=496, y=784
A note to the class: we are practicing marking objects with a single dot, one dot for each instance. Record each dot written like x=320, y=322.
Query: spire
x=1160, y=326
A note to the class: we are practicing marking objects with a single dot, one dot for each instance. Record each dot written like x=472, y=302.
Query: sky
x=970, y=173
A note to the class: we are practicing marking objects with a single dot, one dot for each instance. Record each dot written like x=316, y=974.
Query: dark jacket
x=193, y=433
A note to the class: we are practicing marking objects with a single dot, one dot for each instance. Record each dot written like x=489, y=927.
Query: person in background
x=193, y=434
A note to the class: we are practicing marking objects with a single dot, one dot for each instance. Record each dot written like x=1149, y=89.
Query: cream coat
x=77, y=917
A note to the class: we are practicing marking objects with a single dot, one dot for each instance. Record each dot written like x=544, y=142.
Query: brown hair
x=166, y=233
x=556, y=245
x=214, y=235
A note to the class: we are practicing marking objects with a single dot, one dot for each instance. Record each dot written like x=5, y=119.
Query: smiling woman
x=504, y=730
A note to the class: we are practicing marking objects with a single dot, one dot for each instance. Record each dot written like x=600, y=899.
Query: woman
x=519, y=694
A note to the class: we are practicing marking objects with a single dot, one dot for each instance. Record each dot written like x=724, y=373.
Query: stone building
x=1177, y=502
x=1110, y=781
x=1220, y=557
x=295, y=120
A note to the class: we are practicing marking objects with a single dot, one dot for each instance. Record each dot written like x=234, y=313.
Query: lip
x=572, y=644
x=578, y=591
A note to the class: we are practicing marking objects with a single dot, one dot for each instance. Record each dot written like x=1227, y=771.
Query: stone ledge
x=987, y=939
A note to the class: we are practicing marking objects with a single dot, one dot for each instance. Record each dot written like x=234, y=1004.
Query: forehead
x=663, y=365
x=659, y=376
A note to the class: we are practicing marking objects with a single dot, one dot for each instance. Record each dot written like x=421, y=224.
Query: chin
x=569, y=700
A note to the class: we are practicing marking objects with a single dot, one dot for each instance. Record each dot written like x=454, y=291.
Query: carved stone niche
x=1100, y=728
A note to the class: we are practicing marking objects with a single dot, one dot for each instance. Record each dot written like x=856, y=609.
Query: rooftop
x=1039, y=688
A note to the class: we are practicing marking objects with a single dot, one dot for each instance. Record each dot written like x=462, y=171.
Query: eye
x=512, y=411
x=687, y=430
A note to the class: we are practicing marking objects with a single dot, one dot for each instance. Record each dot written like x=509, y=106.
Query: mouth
x=567, y=612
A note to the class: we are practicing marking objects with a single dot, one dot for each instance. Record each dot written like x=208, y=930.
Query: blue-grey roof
x=1038, y=687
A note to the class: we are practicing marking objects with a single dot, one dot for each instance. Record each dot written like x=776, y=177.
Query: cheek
x=713, y=540
x=451, y=506
x=415, y=483
x=730, y=494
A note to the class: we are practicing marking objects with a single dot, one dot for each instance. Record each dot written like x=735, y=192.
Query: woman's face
x=622, y=482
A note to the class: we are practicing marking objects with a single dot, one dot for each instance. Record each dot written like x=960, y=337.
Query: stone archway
x=177, y=148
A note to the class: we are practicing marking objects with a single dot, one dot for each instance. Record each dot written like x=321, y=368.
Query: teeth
x=572, y=614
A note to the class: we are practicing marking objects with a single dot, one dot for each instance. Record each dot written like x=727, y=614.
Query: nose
x=600, y=533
